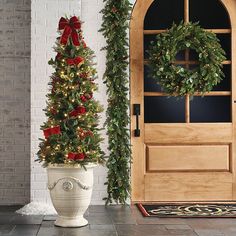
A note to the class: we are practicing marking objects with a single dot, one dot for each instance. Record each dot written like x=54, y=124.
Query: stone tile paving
x=114, y=221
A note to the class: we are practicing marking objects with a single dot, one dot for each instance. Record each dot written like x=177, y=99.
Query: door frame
x=138, y=167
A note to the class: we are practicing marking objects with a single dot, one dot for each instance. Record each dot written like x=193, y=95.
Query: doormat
x=188, y=210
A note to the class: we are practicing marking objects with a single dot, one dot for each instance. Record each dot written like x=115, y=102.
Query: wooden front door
x=186, y=148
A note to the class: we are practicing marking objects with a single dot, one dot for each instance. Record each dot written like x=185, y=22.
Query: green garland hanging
x=115, y=25
x=177, y=80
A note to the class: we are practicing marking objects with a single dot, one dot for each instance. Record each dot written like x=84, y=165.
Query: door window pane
x=211, y=14
x=225, y=84
x=150, y=84
x=162, y=13
x=225, y=41
x=147, y=40
x=210, y=109
x=164, y=110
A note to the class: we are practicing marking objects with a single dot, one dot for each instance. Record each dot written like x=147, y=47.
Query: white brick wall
x=14, y=101
x=45, y=16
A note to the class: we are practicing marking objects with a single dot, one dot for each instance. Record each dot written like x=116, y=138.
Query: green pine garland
x=115, y=24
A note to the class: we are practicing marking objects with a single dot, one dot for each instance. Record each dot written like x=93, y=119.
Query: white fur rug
x=37, y=208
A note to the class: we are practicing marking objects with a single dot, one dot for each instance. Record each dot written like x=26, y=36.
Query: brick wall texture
x=14, y=101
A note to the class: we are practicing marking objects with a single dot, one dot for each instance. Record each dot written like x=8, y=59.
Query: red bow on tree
x=76, y=156
x=74, y=61
x=50, y=131
x=77, y=111
x=70, y=27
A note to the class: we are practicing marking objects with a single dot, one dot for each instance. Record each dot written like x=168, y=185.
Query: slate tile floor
x=114, y=221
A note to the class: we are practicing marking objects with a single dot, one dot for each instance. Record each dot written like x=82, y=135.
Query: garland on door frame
x=116, y=15
x=176, y=80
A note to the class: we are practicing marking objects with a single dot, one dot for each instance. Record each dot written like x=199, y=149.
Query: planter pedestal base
x=71, y=222
x=70, y=190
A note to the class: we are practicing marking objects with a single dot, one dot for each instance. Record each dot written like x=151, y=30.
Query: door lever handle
x=137, y=114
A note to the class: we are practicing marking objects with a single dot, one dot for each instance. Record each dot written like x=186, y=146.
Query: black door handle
x=137, y=113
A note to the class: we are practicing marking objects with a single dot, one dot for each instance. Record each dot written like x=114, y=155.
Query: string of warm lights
x=71, y=130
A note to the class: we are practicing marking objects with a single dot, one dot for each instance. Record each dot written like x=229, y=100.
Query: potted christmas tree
x=71, y=148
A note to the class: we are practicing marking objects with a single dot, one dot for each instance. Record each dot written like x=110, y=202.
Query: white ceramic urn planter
x=70, y=190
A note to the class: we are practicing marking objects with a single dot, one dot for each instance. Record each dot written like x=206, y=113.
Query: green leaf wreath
x=176, y=80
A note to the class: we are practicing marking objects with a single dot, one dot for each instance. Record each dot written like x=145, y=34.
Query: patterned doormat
x=188, y=210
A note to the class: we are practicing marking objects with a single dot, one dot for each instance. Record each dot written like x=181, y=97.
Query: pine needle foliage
x=116, y=15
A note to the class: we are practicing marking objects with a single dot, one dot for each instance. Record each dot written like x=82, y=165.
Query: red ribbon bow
x=50, y=131
x=70, y=27
x=76, y=156
x=74, y=61
x=77, y=111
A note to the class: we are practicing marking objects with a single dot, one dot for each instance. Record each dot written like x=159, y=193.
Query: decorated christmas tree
x=71, y=131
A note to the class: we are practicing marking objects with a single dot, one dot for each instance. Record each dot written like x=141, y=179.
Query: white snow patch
x=37, y=208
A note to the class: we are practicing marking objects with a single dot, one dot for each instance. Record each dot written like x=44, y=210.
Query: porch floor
x=113, y=221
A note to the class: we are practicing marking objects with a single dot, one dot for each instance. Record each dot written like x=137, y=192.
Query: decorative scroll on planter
x=68, y=185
